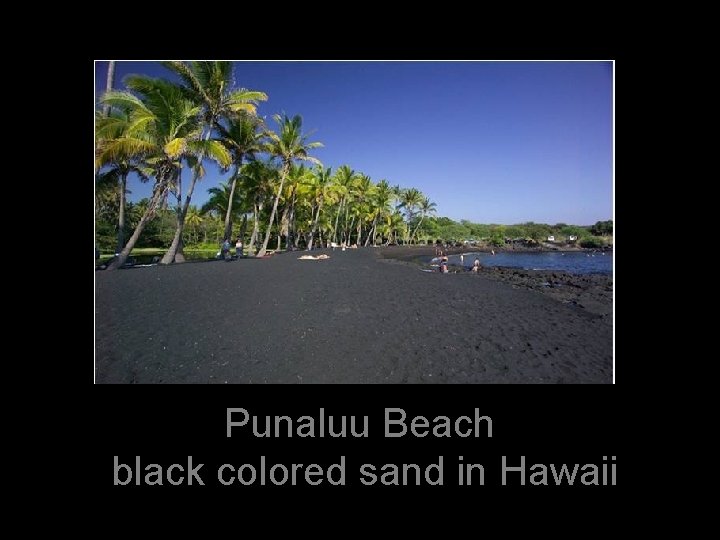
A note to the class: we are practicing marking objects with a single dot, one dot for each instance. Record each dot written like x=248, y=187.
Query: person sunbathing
x=312, y=258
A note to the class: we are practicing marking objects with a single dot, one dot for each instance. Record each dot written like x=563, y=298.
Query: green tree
x=380, y=207
x=426, y=207
x=319, y=186
x=243, y=138
x=195, y=152
x=163, y=127
x=209, y=86
x=602, y=228
x=289, y=144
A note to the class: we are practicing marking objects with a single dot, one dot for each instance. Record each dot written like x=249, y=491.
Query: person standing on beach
x=225, y=249
x=239, y=248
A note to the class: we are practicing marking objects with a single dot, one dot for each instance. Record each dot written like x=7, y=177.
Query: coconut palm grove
x=277, y=194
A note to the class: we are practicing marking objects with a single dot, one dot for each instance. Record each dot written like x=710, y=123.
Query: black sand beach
x=362, y=316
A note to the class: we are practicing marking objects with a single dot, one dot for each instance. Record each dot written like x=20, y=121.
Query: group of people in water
x=443, y=265
x=441, y=257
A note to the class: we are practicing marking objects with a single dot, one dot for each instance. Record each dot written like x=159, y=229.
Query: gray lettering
x=479, y=419
x=388, y=422
x=117, y=481
x=317, y=472
x=506, y=469
x=194, y=473
x=220, y=475
x=419, y=422
x=169, y=474
x=368, y=470
x=231, y=424
x=341, y=468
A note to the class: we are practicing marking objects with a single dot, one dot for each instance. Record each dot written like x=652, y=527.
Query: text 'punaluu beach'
x=396, y=424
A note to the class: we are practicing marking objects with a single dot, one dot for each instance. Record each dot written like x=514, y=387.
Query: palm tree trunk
x=228, y=221
x=243, y=228
x=277, y=224
x=418, y=226
x=372, y=231
x=174, y=254
x=283, y=228
x=346, y=233
x=159, y=193
x=288, y=220
x=263, y=249
x=337, y=218
x=293, y=228
x=314, y=227
x=256, y=226
x=121, y=214
x=110, y=82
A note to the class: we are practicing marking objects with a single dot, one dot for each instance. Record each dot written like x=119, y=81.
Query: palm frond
x=212, y=149
x=175, y=147
x=188, y=76
x=123, y=148
x=246, y=96
x=311, y=159
x=118, y=98
x=248, y=108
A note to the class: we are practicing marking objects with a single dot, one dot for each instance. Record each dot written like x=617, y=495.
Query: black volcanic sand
x=362, y=316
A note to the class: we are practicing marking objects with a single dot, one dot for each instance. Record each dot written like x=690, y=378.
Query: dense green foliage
x=446, y=230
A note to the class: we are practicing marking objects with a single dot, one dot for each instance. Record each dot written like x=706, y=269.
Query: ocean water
x=571, y=262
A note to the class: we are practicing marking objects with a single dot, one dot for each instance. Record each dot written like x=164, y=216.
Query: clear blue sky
x=491, y=142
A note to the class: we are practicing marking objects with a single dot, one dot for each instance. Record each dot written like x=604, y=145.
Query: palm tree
x=380, y=207
x=392, y=223
x=208, y=84
x=219, y=199
x=410, y=199
x=243, y=139
x=196, y=151
x=296, y=177
x=109, y=126
x=344, y=178
x=288, y=145
x=426, y=207
x=362, y=190
x=194, y=220
x=257, y=180
x=117, y=175
x=319, y=185
x=163, y=127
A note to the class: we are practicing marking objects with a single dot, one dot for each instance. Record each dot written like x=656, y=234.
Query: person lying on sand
x=311, y=258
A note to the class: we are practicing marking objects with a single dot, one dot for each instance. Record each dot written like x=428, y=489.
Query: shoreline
x=592, y=292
